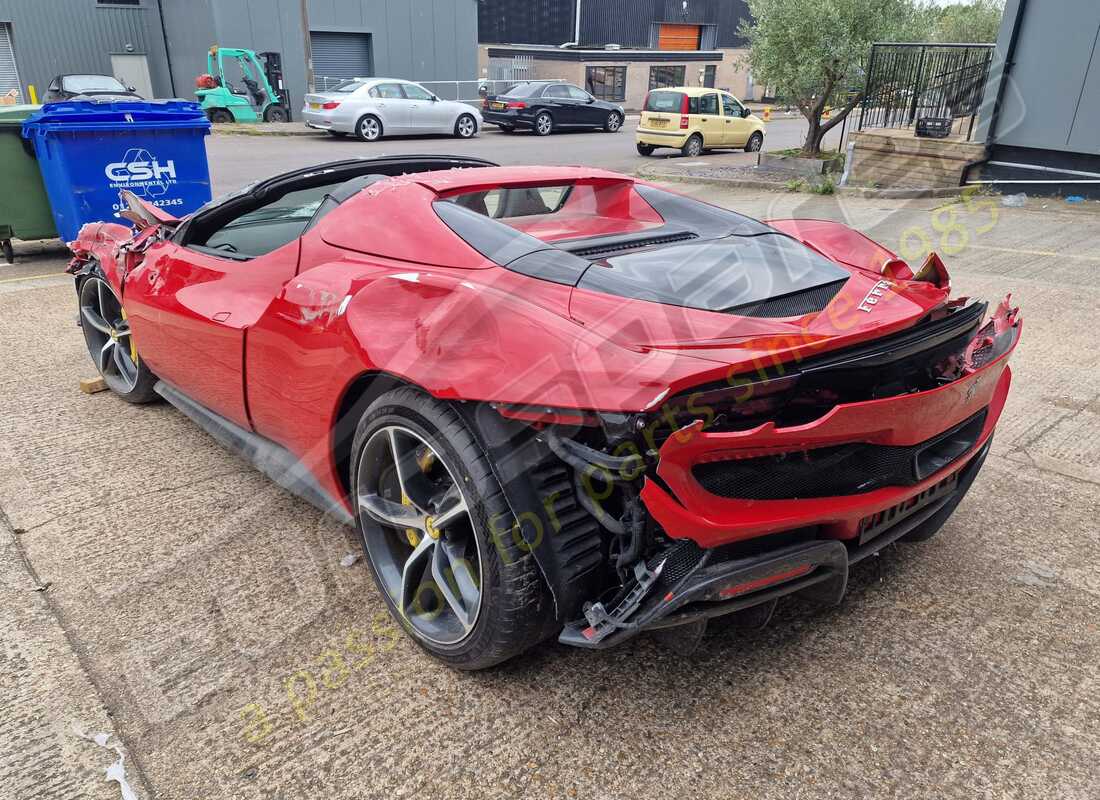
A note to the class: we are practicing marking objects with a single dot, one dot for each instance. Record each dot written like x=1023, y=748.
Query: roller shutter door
x=340, y=55
x=678, y=37
x=9, y=75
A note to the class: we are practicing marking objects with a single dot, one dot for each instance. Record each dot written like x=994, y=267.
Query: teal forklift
x=260, y=96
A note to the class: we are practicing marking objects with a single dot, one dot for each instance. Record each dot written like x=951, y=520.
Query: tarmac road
x=236, y=159
x=202, y=613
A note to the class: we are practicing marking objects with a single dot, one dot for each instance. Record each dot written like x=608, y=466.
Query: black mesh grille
x=792, y=305
x=834, y=471
x=601, y=250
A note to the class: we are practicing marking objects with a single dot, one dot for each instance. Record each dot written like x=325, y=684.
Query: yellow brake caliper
x=133, y=344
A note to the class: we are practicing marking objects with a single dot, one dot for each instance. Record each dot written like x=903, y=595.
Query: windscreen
x=665, y=102
x=92, y=83
x=347, y=87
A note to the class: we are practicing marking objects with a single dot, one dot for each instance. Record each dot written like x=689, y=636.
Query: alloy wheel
x=370, y=129
x=419, y=534
x=614, y=122
x=755, y=141
x=107, y=334
x=543, y=124
x=466, y=126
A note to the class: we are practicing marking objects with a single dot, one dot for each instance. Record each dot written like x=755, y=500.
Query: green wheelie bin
x=24, y=208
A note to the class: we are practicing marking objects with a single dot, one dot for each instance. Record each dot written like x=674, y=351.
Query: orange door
x=678, y=37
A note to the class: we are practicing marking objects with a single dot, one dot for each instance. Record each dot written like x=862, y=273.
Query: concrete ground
x=202, y=614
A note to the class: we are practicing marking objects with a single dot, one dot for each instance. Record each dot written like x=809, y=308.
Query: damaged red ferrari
x=557, y=401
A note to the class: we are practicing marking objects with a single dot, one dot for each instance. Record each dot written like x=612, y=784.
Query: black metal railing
x=910, y=82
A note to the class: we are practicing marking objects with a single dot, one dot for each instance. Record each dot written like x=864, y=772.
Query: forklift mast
x=273, y=70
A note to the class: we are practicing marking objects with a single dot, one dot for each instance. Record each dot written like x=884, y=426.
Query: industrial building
x=160, y=46
x=617, y=49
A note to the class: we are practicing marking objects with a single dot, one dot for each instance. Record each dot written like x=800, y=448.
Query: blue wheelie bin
x=88, y=152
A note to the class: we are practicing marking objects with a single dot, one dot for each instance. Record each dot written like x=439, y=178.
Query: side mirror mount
x=131, y=89
x=435, y=99
x=745, y=112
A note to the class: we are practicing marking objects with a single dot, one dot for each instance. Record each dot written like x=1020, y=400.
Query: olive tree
x=977, y=21
x=814, y=52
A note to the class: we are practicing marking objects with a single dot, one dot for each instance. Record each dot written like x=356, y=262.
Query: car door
x=556, y=98
x=737, y=127
x=711, y=124
x=392, y=107
x=426, y=114
x=194, y=296
x=588, y=111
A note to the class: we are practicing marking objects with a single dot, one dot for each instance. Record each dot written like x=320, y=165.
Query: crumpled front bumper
x=684, y=509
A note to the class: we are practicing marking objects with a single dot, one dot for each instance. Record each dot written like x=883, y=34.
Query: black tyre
x=755, y=142
x=465, y=126
x=111, y=343
x=9, y=251
x=276, y=114
x=368, y=128
x=693, y=146
x=613, y=123
x=428, y=505
x=544, y=124
x=219, y=116
x=645, y=149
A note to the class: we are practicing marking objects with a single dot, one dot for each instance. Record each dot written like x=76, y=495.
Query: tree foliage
x=813, y=52
x=974, y=22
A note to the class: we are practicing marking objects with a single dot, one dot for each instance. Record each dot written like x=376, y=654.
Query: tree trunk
x=811, y=148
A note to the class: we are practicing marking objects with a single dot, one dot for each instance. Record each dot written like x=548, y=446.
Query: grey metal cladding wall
x=54, y=37
x=414, y=39
x=1052, y=95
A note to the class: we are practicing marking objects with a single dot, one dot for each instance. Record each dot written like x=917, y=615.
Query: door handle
x=728, y=121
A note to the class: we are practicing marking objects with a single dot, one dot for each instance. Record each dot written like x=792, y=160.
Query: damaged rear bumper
x=816, y=570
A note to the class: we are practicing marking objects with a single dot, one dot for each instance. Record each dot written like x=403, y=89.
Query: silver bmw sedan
x=371, y=108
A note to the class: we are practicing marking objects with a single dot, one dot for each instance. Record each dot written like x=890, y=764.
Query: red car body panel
x=273, y=344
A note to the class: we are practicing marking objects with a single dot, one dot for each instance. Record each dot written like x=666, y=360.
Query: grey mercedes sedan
x=371, y=108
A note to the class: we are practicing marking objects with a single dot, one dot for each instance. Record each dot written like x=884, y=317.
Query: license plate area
x=497, y=106
x=315, y=106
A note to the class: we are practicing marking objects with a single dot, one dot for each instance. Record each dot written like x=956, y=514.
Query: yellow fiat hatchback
x=694, y=118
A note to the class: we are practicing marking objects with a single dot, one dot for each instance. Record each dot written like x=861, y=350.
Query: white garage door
x=9, y=75
x=340, y=55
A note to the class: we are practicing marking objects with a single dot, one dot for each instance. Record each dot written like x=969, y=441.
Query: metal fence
x=908, y=82
x=463, y=91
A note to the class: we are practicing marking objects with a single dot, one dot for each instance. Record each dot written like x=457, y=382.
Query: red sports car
x=557, y=401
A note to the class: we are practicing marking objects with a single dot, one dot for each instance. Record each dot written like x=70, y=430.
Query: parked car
x=547, y=106
x=556, y=400
x=693, y=119
x=371, y=108
x=89, y=87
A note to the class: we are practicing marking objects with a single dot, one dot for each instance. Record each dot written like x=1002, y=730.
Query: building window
x=660, y=77
x=709, y=75
x=606, y=83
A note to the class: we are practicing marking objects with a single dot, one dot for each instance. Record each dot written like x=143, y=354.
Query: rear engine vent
x=836, y=471
x=611, y=248
x=792, y=305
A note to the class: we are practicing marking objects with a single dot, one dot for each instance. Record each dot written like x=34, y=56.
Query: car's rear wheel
x=111, y=343
x=465, y=126
x=755, y=142
x=544, y=124
x=645, y=149
x=437, y=531
x=613, y=122
x=368, y=128
x=693, y=146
